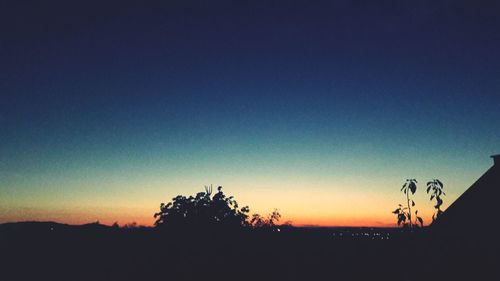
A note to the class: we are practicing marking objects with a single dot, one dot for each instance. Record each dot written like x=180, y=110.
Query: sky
x=320, y=109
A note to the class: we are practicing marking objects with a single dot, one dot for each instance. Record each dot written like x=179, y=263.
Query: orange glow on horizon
x=148, y=220
x=302, y=203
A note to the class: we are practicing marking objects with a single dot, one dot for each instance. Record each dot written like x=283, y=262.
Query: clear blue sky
x=321, y=109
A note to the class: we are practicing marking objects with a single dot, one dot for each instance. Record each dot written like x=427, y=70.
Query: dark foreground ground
x=48, y=251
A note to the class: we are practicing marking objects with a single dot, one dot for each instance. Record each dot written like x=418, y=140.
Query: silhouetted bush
x=202, y=211
x=269, y=223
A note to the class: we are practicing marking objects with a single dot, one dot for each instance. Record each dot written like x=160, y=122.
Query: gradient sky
x=321, y=110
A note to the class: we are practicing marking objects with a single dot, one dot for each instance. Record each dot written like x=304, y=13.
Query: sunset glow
x=320, y=115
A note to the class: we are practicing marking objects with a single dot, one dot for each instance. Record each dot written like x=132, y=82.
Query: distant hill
x=49, y=226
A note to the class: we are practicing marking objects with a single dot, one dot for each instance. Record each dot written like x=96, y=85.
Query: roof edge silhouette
x=469, y=217
x=496, y=159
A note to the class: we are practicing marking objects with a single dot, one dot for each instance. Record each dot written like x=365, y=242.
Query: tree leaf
x=440, y=183
x=413, y=187
x=401, y=218
x=421, y=221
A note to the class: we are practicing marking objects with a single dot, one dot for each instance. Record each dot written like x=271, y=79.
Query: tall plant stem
x=409, y=208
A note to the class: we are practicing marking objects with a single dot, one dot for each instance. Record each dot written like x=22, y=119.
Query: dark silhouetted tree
x=409, y=186
x=435, y=189
x=269, y=223
x=202, y=210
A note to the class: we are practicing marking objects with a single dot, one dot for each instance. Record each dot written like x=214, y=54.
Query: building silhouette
x=473, y=215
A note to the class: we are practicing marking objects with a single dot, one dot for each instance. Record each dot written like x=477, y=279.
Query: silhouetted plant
x=409, y=186
x=257, y=221
x=435, y=188
x=274, y=217
x=202, y=210
x=401, y=215
x=404, y=218
x=269, y=223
